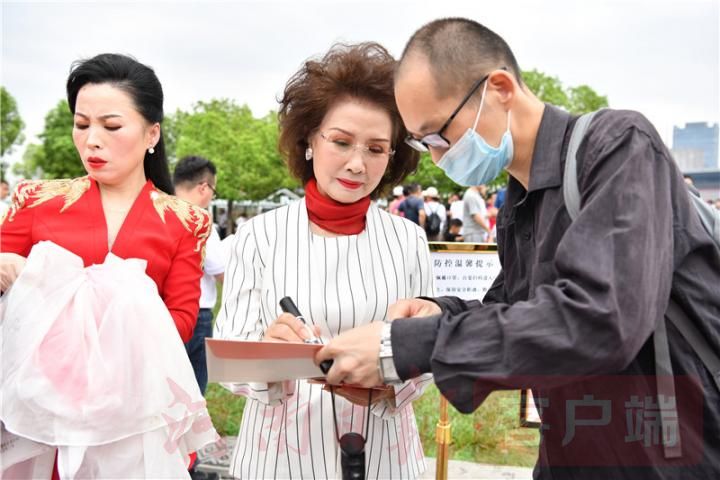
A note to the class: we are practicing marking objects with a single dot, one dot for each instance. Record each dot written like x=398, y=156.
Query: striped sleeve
x=240, y=316
x=422, y=284
x=423, y=281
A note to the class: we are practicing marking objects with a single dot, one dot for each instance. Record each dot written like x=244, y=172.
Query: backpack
x=710, y=218
x=432, y=224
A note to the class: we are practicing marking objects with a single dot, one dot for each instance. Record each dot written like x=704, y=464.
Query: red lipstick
x=96, y=162
x=349, y=184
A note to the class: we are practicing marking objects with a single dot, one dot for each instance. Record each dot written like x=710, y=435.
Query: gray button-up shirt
x=583, y=298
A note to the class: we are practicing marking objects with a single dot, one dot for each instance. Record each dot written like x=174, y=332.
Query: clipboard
x=239, y=361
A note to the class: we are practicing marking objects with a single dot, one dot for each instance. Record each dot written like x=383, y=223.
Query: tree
x=428, y=174
x=55, y=156
x=59, y=158
x=243, y=148
x=29, y=167
x=584, y=99
x=576, y=100
x=11, y=125
x=546, y=88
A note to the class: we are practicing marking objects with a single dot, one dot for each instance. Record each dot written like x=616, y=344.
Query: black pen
x=288, y=306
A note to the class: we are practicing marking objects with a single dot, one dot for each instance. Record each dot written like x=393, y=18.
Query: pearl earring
x=151, y=150
x=308, y=154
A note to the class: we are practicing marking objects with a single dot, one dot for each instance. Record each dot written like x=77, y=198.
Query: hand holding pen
x=291, y=327
x=288, y=306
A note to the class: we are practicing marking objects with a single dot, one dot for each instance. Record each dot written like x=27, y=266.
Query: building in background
x=695, y=147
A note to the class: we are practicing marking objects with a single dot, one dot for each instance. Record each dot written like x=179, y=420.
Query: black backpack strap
x=665, y=383
x=571, y=190
x=692, y=335
x=664, y=380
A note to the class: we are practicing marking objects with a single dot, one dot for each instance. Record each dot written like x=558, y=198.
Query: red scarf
x=336, y=217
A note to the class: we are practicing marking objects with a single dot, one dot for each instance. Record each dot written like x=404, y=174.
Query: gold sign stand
x=443, y=438
x=443, y=430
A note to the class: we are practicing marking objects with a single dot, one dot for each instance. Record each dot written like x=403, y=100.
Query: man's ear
x=504, y=85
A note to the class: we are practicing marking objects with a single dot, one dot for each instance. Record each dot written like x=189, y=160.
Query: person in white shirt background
x=195, y=182
x=456, y=207
x=4, y=196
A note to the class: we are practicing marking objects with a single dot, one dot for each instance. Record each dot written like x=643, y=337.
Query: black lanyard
x=352, y=445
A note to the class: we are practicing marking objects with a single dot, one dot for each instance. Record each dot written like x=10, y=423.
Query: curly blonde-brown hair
x=363, y=72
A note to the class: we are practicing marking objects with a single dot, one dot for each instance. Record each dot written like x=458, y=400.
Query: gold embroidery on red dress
x=45, y=190
x=186, y=213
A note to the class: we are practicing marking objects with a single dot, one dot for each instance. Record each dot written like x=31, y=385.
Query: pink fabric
x=93, y=366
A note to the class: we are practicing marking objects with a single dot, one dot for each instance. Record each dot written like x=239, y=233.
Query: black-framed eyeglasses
x=436, y=139
x=213, y=190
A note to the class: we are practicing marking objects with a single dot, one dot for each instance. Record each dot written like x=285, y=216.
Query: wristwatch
x=386, y=364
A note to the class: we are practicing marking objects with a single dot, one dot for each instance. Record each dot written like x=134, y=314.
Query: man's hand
x=11, y=264
x=413, y=307
x=355, y=355
x=287, y=328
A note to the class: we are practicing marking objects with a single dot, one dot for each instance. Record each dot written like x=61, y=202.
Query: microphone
x=352, y=456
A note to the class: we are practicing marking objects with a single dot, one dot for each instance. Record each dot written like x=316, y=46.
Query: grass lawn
x=490, y=435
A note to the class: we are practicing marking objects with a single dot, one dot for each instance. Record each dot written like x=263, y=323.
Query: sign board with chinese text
x=467, y=271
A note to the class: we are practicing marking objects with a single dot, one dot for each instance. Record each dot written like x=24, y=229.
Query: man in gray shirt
x=576, y=300
x=475, y=222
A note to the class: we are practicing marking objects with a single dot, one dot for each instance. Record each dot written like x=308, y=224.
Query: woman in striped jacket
x=341, y=258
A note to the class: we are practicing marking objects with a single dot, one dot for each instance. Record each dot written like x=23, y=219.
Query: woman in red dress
x=124, y=205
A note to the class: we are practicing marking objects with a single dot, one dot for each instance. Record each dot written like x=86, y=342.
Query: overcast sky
x=656, y=56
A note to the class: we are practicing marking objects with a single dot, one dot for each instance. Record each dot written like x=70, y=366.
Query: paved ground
x=479, y=471
x=214, y=464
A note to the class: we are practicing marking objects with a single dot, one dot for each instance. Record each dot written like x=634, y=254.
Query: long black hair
x=140, y=82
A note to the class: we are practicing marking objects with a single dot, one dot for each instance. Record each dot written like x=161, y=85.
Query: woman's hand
x=287, y=328
x=11, y=264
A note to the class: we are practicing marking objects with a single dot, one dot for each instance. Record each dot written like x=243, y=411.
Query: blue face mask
x=471, y=161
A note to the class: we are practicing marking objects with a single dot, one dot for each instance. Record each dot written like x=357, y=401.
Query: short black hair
x=413, y=188
x=455, y=222
x=192, y=170
x=460, y=52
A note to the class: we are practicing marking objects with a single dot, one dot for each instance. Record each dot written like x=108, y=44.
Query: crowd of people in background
x=467, y=216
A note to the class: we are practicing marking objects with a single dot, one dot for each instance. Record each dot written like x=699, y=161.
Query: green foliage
x=29, y=167
x=584, y=99
x=546, y=88
x=576, y=100
x=492, y=434
x=429, y=175
x=11, y=125
x=243, y=148
x=56, y=156
x=225, y=409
